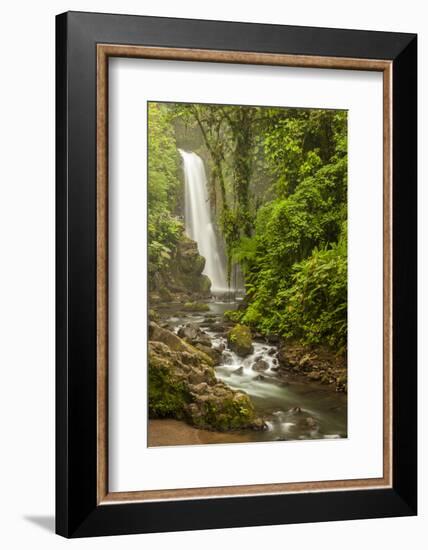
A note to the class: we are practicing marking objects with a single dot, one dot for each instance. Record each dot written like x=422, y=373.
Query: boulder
x=175, y=343
x=311, y=423
x=240, y=340
x=188, y=257
x=260, y=365
x=194, y=335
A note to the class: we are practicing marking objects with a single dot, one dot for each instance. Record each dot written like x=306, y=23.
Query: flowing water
x=198, y=220
x=293, y=407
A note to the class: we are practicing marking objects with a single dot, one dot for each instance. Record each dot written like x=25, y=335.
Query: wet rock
x=215, y=354
x=218, y=327
x=208, y=322
x=260, y=424
x=314, y=375
x=239, y=370
x=227, y=358
x=295, y=410
x=260, y=378
x=260, y=365
x=240, y=340
x=311, y=422
x=194, y=335
x=189, y=259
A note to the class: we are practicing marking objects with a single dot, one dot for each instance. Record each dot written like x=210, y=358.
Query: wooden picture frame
x=84, y=505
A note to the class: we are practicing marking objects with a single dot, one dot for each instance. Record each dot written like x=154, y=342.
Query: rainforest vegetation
x=247, y=273
x=277, y=183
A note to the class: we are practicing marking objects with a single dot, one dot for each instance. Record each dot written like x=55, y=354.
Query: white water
x=198, y=221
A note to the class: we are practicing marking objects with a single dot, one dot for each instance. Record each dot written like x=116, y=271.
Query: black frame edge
x=77, y=514
x=61, y=250
x=404, y=173
x=222, y=513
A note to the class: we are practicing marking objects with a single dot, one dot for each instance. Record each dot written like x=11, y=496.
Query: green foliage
x=233, y=315
x=278, y=191
x=298, y=143
x=295, y=262
x=164, y=229
x=314, y=307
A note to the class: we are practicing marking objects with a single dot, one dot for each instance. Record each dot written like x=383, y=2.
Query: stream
x=293, y=406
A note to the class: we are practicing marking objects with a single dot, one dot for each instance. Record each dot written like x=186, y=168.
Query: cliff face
x=182, y=280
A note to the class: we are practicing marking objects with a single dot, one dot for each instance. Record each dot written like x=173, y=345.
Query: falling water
x=198, y=221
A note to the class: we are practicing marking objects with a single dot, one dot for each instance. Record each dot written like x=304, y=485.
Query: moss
x=183, y=385
x=227, y=414
x=167, y=397
x=240, y=340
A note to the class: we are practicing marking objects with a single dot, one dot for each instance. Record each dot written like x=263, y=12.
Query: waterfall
x=198, y=221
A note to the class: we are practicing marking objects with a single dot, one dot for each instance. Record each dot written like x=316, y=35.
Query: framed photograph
x=236, y=274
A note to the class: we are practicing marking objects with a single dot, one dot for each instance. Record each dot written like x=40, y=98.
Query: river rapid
x=293, y=407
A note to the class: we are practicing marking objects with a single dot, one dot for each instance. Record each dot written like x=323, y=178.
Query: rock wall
x=182, y=280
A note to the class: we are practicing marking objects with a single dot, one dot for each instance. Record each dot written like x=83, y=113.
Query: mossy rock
x=189, y=259
x=159, y=334
x=153, y=315
x=204, y=285
x=233, y=412
x=240, y=340
x=168, y=397
x=183, y=385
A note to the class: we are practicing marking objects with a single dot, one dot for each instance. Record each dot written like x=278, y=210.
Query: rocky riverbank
x=216, y=381
x=183, y=384
x=317, y=364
